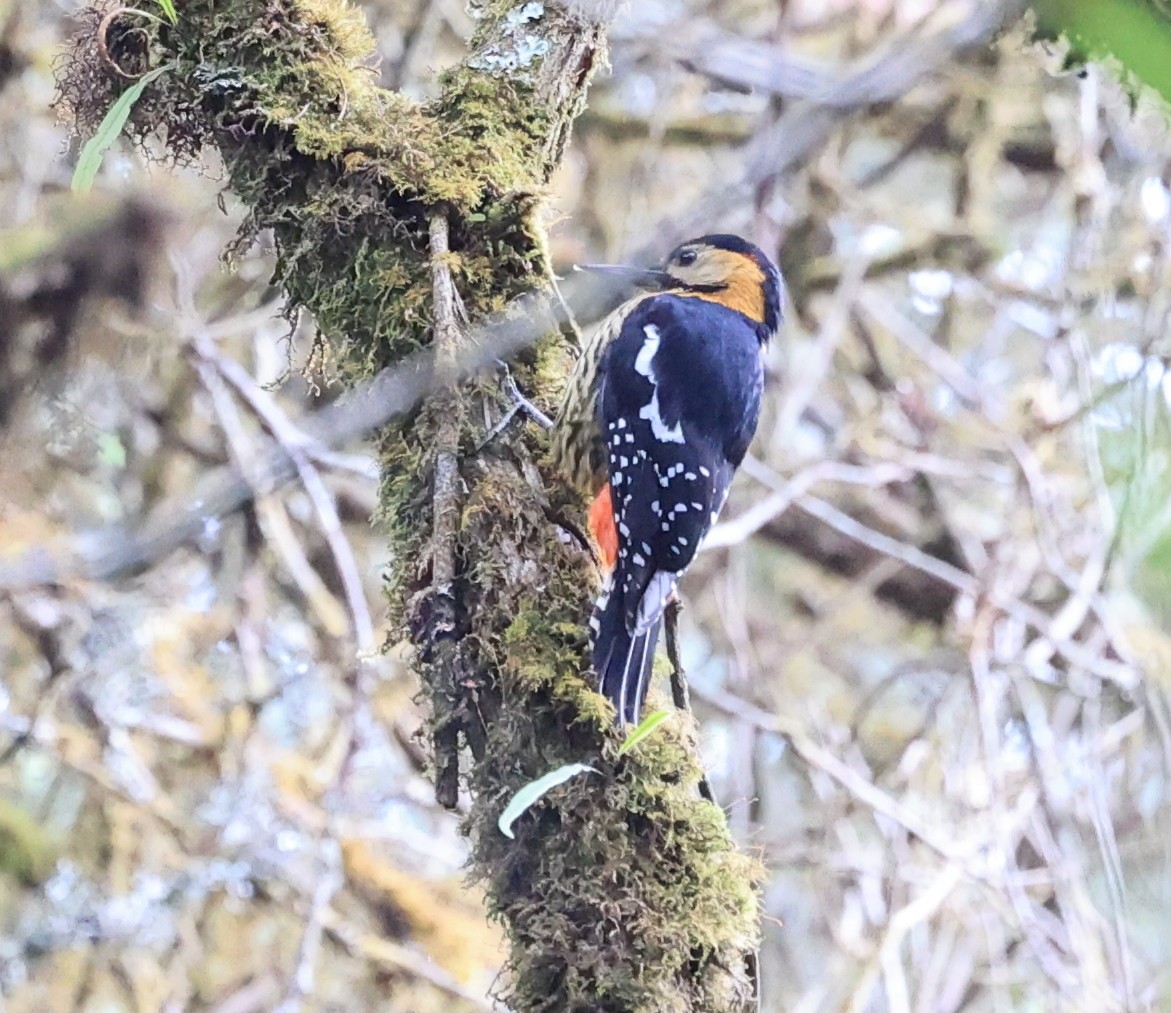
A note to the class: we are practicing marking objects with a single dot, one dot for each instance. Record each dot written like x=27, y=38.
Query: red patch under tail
x=602, y=527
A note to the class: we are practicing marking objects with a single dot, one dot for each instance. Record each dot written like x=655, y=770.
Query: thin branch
x=680, y=695
x=742, y=527
x=397, y=958
x=1122, y=674
x=301, y=452
x=300, y=984
x=886, y=957
x=878, y=77
x=824, y=760
x=271, y=513
x=445, y=511
x=912, y=337
x=787, y=144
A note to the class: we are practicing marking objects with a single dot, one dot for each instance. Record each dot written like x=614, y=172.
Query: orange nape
x=602, y=527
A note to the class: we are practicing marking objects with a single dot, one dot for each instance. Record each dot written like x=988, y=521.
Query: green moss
x=644, y=870
x=489, y=114
x=342, y=24
x=343, y=172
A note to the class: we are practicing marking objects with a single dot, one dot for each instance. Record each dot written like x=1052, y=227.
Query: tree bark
x=622, y=890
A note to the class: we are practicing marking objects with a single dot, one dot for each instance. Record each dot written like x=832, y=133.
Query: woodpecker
x=657, y=416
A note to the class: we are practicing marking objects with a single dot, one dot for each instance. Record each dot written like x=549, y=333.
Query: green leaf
x=532, y=791
x=90, y=160
x=168, y=7
x=645, y=727
x=1137, y=33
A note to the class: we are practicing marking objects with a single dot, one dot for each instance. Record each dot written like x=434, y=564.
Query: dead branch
x=445, y=511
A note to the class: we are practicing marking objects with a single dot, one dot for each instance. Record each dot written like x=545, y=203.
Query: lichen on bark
x=621, y=891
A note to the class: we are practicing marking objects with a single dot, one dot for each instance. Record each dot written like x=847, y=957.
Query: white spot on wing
x=643, y=365
x=663, y=432
x=642, y=361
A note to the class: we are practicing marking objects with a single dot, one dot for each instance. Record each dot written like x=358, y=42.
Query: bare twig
x=824, y=760
x=271, y=514
x=965, y=583
x=300, y=984
x=740, y=528
x=445, y=508
x=882, y=76
x=679, y=692
x=905, y=331
x=257, y=995
x=533, y=411
x=787, y=144
x=399, y=958
x=886, y=958
x=301, y=452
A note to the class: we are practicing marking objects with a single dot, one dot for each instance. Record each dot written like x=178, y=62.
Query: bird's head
x=723, y=269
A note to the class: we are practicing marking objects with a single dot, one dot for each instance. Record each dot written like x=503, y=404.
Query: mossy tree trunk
x=622, y=890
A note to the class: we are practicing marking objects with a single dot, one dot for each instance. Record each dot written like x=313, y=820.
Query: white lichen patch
x=523, y=46
x=523, y=15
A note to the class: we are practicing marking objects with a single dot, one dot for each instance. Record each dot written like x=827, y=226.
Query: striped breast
x=577, y=447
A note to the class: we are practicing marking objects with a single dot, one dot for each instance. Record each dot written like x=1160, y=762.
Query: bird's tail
x=623, y=660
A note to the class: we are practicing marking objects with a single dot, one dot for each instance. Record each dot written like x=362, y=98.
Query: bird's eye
x=687, y=257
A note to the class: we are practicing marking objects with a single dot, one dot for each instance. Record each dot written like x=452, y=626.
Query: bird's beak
x=641, y=276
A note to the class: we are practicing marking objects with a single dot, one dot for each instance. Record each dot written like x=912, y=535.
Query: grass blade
x=168, y=7
x=532, y=791
x=645, y=727
x=94, y=150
